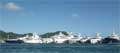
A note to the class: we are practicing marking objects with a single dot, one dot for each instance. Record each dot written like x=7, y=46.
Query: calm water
x=59, y=48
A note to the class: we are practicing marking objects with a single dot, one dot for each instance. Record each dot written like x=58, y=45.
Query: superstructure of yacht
x=97, y=39
x=32, y=39
x=27, y=39
x=113, y=38
x=61, y=38
x=75, y=39
x=85, y=39
x=47, y=40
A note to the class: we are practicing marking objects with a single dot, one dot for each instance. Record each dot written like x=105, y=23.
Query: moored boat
x=85, y=40
x=17, y=40
x=97, y=39
x=32, y=39
x=13, y=41
x=113, y=38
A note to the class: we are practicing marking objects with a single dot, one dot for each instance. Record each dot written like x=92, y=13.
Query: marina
x=59, y=26
x=61, y=38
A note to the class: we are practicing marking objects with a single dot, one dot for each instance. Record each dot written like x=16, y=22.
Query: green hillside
x=11, y=35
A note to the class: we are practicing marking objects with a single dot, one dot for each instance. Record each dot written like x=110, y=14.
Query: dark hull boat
x=110, y=40
x=14, y=41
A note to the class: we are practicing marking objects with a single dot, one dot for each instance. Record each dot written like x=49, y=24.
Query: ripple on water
x=59, y=48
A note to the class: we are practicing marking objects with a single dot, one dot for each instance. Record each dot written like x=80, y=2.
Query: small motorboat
x=13, y=41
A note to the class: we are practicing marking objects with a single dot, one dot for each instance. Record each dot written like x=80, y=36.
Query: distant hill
x=50, y=34
x=12, y=35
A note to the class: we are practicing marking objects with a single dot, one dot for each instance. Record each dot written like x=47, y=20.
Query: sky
x=78, y=16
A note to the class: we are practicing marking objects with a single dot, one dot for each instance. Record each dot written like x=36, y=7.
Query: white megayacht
x=32, y=39
x=96, y=39
x=61, y=38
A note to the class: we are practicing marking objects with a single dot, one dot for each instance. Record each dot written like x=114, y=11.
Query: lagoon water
x=59, y=48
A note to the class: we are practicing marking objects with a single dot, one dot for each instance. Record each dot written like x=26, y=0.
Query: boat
x=97, y=39
x=32, y=39
x=17, y=40
x=61, y=38
x=13, y=41
x=47, y=40
x=113, y=38
x=85, y=40
x=76, y=39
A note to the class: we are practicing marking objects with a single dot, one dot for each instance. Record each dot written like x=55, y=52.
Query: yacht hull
x=14, y=41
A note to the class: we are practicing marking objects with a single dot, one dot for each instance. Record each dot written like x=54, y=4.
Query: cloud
x=75, y=15
x=12, y=6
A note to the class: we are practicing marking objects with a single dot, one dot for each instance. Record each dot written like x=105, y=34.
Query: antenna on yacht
x=116, y=25
x=113, y=33
x=79, y=35
x=97, y=34
x=60, y=33
x=113, y=30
